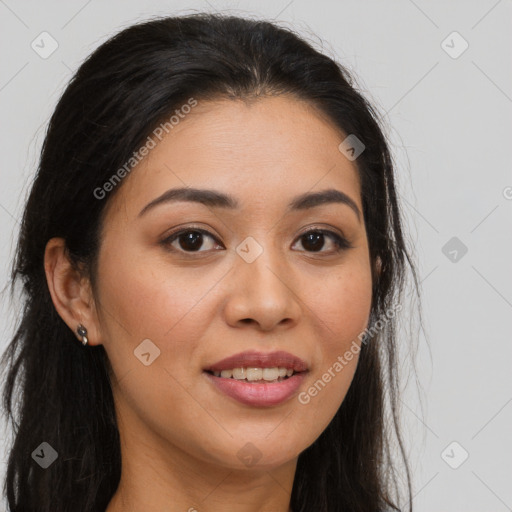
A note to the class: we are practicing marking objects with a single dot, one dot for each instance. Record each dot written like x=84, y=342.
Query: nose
x=262, y=294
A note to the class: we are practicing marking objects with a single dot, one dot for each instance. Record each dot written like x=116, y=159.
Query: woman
x=212, y=259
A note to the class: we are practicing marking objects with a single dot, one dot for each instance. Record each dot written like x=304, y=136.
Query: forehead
x=263, y=151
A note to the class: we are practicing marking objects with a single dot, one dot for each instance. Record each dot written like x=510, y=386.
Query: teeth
x=270, y=373
x=255, y=374
x=252, y=374
x=239, y=373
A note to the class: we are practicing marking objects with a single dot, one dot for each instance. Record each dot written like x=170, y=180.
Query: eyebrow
x=215, y=199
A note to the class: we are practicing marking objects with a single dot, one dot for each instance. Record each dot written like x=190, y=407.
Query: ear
x=71, y=292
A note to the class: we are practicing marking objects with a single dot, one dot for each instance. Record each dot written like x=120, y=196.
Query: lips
x=255, y=359
x=255, y=394
x=259, y=393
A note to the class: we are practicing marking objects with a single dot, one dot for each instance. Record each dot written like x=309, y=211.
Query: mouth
x=268, y=363
x=258, y=379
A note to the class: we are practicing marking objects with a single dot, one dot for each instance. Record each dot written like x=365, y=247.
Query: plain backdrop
x=441, y=74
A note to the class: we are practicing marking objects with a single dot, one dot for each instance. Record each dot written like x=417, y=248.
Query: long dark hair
x=59, y=393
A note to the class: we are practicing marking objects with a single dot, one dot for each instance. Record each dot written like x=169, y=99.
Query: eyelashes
x=340, y=242
x=191, y=240
x=196, y=239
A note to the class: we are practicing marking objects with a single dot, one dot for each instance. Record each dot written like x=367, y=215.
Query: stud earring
x=82, y=331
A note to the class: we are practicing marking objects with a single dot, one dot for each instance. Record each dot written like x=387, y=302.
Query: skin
x=179, y=435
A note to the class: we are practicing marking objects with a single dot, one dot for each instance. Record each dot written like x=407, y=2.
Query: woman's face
x=171, y=306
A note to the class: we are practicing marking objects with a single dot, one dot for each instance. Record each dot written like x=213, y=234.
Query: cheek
x=149, y=299
x=341, y=308
x=341, y=304
x=141, y=301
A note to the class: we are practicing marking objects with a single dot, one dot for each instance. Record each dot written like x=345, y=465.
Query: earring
x=82, y=331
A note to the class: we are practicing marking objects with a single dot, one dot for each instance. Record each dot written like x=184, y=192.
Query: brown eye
x=315, y=240
x=190, y=240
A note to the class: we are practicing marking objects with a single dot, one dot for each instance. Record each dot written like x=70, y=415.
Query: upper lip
x=255, y=359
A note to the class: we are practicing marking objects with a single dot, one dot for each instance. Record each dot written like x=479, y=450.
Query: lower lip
x=257, y=394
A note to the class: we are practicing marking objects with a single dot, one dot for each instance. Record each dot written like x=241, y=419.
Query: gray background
x=449, y=122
